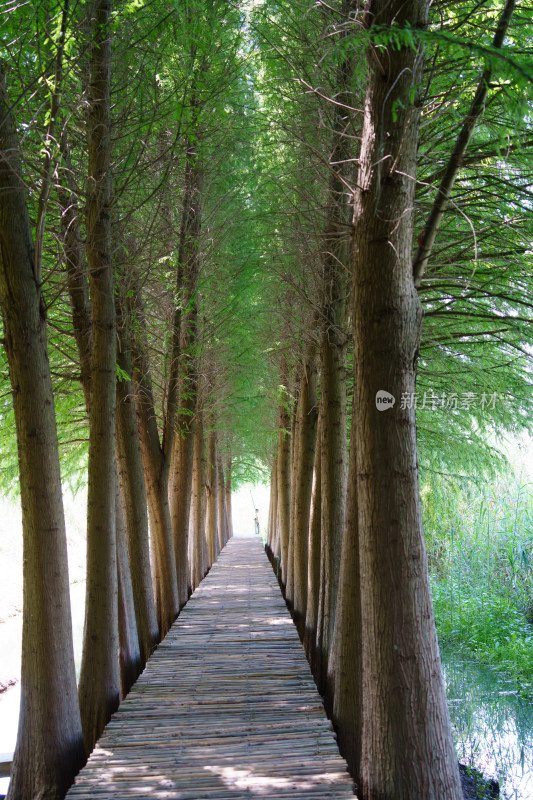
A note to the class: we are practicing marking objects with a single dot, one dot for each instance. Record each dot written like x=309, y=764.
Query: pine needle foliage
x=252, y=88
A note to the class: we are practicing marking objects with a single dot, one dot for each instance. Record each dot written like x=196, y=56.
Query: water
x=493, y=724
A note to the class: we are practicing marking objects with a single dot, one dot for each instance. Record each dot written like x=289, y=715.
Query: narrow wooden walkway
x=226, y=708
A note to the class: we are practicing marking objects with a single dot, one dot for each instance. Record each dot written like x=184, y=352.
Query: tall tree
x=333, y=349
x=133, y=491
x=221, y=505
x=212, y=516
x=49, y=750
x=283, y=471
x=185, y=360
x=99, y=687
x=306, y=430
x=156, y=459
x=407, y=747
x=197, y=532
x=78, y=290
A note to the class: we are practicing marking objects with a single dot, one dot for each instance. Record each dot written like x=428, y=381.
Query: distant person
x=256, y=522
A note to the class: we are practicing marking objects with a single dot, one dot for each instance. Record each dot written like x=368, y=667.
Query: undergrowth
x=480, y=550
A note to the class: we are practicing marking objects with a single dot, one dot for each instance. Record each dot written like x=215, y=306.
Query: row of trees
x=220, y=226
x=390, y=240
x=103, y=175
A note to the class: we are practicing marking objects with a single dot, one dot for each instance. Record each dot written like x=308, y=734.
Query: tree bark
x=183, y=460
x=294, y=459
x=229, y=517
x=276, y=540
x=306, y=425
x=133, y=494
x=156, y=463
x=212, y=497
x=99, y=687
x=49, y=750
x=197, y=519
x=129, y=652
x=284, y=483
x=333, y=487
x=169, y=518
x=187, y=378
x=181, y=503
x=272, y=508
x=221, y=509
x=78, y=290
x=407, y=747
x=344, y=687
x=77, y=281
x=218, y=547
x=333, y=345
x=314, y=555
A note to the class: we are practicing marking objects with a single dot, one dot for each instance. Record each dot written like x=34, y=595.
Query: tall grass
x=480, y=549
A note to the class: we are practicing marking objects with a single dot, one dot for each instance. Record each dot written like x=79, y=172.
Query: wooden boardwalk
x=226, y=708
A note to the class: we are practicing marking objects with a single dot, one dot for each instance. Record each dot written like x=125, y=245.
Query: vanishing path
x=226, y=708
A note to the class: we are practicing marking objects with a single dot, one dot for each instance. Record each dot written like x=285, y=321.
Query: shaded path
x=226, y=708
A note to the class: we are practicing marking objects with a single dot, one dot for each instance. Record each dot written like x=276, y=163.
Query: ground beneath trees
x=476, y=787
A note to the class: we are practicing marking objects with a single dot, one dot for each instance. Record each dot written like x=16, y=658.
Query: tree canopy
x=252, y=88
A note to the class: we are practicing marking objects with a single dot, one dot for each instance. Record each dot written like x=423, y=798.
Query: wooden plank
x=226, y=708
x=6, y=759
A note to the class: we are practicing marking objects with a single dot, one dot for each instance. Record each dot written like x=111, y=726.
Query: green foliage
x=251, y=89
x=395, y=36
x=480, y=549
x=477, y=291
x=485, y=626
x=510, y=64
x=246, y=470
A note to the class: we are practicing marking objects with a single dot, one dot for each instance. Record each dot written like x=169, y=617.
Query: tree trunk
x=167, y=602
x=77, y=282
x=294, y=463
x=314, y=555
x=187, y=378
x=306, y=425
x=344, y=688
x=229, y=517
x=211, y=497
x=49, y=750
x=272, y=508
x=206, y=562
x=129, y=652
x=276, y=537
x=181, y=504
x=333, y=488
x=183, y=458
x=99, y=687
x=221, y=510
x=333, y=358
x=78, y=291
x=217, y=506
x=156, y=462
x=407, y=748
x=283, y=488
x=197, y=520
x=133, y=493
